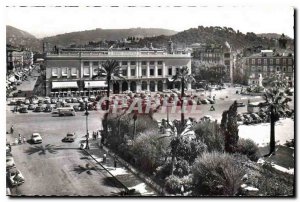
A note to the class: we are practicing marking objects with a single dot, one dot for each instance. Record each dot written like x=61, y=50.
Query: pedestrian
x=20, y=139
x=182, y=190
x=12, y=129
x=104, y=158
x=16, y=141
x=115, y=162
x=24, y=140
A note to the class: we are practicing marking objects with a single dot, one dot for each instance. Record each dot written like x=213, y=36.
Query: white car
x=15, y=177
x=34, y=101
x=36, y=138
x=27, y=102
x=10, y=163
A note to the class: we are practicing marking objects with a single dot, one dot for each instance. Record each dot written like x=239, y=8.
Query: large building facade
x=72, y=71
x=267, y=63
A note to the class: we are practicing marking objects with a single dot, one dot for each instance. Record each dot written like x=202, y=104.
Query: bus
x=66, y=111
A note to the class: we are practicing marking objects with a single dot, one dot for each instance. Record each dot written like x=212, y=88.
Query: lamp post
x=87, y=130
x=134, y=124
x=89, y=89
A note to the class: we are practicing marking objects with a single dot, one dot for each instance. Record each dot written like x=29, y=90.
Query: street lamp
x=134, y=124
x=87, y=130
x=89, y=89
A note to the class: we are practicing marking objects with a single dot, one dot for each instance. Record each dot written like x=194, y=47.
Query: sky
x=50, y=20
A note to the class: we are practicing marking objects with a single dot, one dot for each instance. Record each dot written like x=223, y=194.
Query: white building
x=144, y=70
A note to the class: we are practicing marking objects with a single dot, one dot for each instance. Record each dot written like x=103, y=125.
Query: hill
x=272, y=35
x=86, y=36
x=20, y=38
x=216, y=35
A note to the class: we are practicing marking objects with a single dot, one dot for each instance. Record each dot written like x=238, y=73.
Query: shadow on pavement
x=42, y=150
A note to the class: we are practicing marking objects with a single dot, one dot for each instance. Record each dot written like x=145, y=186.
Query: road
x=52, y=168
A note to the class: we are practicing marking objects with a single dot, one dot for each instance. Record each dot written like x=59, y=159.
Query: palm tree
x=111, y=71
x=275, y=100
x=184, y=77
x=178, y=131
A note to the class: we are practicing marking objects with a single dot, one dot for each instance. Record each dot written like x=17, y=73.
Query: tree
x=229, y=128
x=275, y=100
x=111, y=71
x=184, y=77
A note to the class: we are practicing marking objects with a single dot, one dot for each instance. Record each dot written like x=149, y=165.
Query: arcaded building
x=146, y=69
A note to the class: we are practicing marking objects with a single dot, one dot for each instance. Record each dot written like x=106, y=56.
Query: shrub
x=209, y=133
x=164, y=170
x=173, y=184
x=181, y=168
x=217, y=173
x=248, y=148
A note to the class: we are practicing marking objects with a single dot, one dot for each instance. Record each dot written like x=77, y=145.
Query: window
x=96, y=64
x=151, y=62
x=284, y=61
x=54, y=72
x=265, y=68
x=86, y=71
x=277, y=61
x=227, y=62
x=259, y=61
x=124, y=62
x=144, y=63
x=124, y=72
x=290, y=61
x=132, y=72
x=159, y=72
x=74, y=71
x=132, y=63
x=177, y=70
x=278, y=69
x=151, y=72
x=86, y=63
x=271, y=61
x=265, y=61
x=253, y=62
x=271, y=69
x=64, y=71
x=227, y=55
x=259, y=69
x=159, y=62
x=144, y=72
x=284, y=69
x=170, y=71
x=253, y=69
x=290, y=69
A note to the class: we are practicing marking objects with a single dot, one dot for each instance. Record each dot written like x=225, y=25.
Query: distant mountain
x=211, y=35
x=86, y=36
x=20, y=38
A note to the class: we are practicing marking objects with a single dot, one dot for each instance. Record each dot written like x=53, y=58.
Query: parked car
x=38, y=109
x=47, y=100
x=36, y=138
x=68, y=100
x=256, y=118
x=211, y=101
x=74, y=100
x=70, y=137
x=31, y=107
x=10, y=163
x=80, y=100
x=23, y=110
x=248, y=119
x=92, y=98
x=15, y=177
x=204, y=101
x=48, y=108
x=12, y=102
x=240, y=118
x=34, y=101
x=240, y=104
x=53, y=101
x=27, y=101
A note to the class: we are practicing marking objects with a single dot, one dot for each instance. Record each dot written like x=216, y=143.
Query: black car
x=256, y=118
x=31, y=107
x=48, y=109
x=67, y=100
x=23, y=110
x=38, y=109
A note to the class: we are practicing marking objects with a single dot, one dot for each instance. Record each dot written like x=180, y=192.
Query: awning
x=60, y=85
x=95, y=84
